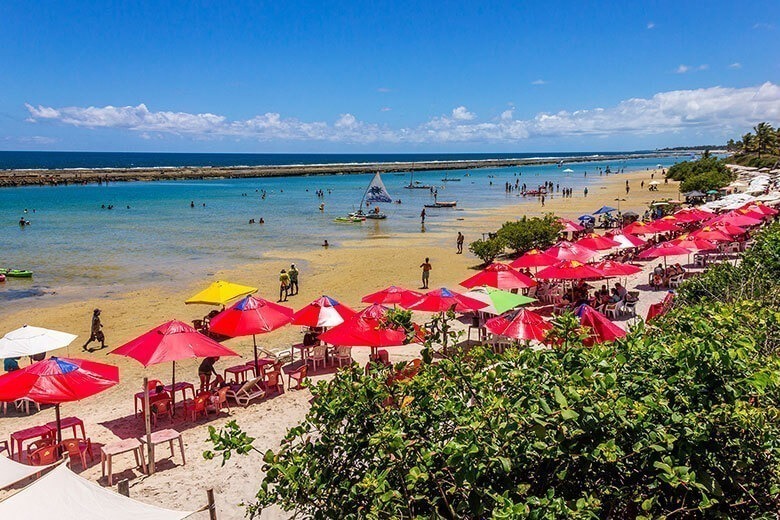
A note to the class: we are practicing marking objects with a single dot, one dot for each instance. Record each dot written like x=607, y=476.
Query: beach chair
x=37, y=445
x=611, y=310
x=342, y=354
x=159, y=408
x=219, y=400
x=44, y=456
x=244, y=393
x=298, y=376
x=317, y=356
x=78, y=449
x=274, y=381
x=197, y=406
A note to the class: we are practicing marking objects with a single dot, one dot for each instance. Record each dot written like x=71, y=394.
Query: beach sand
x=346, y=272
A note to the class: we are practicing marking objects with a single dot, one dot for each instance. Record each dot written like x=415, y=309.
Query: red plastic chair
x=43, y=456
x=298, y=376
x=219, y=400
x=274, y=381
x=197, y=406
x=161, y=407
x=78, y=449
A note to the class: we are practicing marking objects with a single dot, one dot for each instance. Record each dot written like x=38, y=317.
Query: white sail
x=376, y=191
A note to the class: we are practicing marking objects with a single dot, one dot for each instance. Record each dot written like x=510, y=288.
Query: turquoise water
x=73, y=243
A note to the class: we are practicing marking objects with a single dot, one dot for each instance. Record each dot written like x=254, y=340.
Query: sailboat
x=416, y=185
x=447, y=178
x=375, y=193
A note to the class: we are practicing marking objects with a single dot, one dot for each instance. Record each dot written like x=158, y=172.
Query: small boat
x=416, y=185
x=16, y=273
x=348, y=219
x=372, y=215
x=443, y=204
x=447, y=178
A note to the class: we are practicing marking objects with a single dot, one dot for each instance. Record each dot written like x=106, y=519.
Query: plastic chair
x=317, y=356
x=38, y=444
x=78, y=448
x=219, y=400
x=43, y=456
x=274, y=381
x=298, y=376
x=611, y=310
x=342, y=354
x=161, y=407
x=197, y=406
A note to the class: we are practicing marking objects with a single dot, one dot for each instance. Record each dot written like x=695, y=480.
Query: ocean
x=153, y=235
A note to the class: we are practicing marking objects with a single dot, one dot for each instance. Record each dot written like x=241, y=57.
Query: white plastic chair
x=317, y=356
x=342, y=354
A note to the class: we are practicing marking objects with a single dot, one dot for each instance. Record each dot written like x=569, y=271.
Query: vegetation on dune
x=760, y=149
x=707, y=173
x=488, y=249
x=531, y=233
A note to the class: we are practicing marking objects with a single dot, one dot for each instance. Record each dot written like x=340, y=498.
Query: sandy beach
x=346, y=272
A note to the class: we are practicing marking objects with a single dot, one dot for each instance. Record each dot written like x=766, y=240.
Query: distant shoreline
x=55, y=177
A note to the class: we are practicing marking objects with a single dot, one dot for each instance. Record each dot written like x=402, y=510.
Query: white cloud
x=462, y=114
x=703, y=66
x=682, y=69
x=698, y=110
x=385, y=109
x=650, y=25
x=735, y=65
x=538, y=82
x=762, y=25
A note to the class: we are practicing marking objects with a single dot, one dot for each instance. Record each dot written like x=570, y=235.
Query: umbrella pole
x=173, y=388
x=254, y=342
x=148, y=423
x=59, y=424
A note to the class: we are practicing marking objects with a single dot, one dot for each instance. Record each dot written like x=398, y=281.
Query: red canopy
x=660, y=308
x=639, y=228
x=522, y=324
x=627, y=240
x=728, y=229
x=569, y=270
x=761, y=207
x=393, y=295
x=500, y=276
x=373, y=312
x=58, y=380
x=570, y=225
x=570, y=251
x=662, y=226
x=693, y=215
x=735, y=218
x=694, y=243
x=534, y=258
x=598, y=326
x=171, y=341
x=597, y=242
x=443, y=299
x=250, y=316
x=322, y=312
x=364, y=331
x=612, y=268
x=711, y=234
x=664, y=249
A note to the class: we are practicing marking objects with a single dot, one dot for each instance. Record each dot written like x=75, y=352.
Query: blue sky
x=379, y=76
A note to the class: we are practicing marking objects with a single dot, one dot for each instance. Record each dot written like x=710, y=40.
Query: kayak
x=16, y=273
x=348, y=219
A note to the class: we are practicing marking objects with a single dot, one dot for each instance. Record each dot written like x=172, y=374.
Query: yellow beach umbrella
x=221, y=292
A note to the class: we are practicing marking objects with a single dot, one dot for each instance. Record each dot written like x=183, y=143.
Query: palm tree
x=747, y=142
x=764, y=135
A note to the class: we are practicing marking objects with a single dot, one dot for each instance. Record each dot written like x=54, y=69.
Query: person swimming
x=325, y=244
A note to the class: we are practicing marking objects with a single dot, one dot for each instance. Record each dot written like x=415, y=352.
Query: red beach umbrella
x=360, y=331
x=500, y=276
x=612, y=268
x=322, y=312
x=712, y=234
x=761, y=208
x=728, y=229
x=626, y=240
x=534, y=258
x=597, y=242
x=694, y=243
x=693, y=215
x=663, y=249
x=393, y=295
x=571, y=251
x=58, y=380
x=600, y=328
x=441, y=300
x=737, y=219
x=523, y=325
x=251, y=316
x=569, y=270
x=570, y=225
x=373, y=312
x=663, y=226
x=639, y=228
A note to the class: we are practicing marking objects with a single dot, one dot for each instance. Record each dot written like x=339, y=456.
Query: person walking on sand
x=460, y=243
x=426, y=272
x=293, y=272
x=284, y=285
x=585, y=191
x=96, y=333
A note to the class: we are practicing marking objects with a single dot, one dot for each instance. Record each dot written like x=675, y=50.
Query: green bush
x=487, y=250
x=680, y=420
x=531, y=233
x=704, y=182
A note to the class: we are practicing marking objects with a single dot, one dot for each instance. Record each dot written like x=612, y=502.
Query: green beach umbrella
x=498, y=301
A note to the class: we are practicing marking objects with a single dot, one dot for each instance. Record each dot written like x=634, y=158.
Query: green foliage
x=759, y=150
x=531, y=233
x=707, y=173
x=680, y=419
x=488, y=250
x=401, y=318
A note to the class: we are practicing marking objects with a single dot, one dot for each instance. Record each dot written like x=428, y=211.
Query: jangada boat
x=447, y=178
x=375, y=193
x=416, y=185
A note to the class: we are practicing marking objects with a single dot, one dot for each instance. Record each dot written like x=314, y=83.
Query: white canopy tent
x=63, y=495
x=12, y=472
x=28, y=341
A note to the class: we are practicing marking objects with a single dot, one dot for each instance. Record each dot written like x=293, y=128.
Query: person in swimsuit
x=293, y=272
x=426, y=272
x=206, y=370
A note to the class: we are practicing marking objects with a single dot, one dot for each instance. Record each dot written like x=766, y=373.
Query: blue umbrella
x=585, y=217
x=604, y=209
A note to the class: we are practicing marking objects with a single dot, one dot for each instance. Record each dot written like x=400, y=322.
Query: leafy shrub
x=487, y=250
x=531, y=233
x=679, y=419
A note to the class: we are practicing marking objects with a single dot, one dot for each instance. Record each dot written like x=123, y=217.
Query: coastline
x=53, y=177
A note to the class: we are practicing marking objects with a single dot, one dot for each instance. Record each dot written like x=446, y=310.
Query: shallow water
x=74, y=243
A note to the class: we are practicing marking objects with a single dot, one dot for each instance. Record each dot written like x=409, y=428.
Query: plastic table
x=108, y=451
x=68, y=422
x=25, y=435
x=239, y=373
x=163, y=436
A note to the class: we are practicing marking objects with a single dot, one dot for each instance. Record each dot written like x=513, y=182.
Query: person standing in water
x=460, y=243
x=293, y=272
x=422, y=216
x=284, y=285
x=96, y=333
x=426, y=272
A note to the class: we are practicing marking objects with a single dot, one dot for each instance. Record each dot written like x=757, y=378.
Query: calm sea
x=152, y=235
